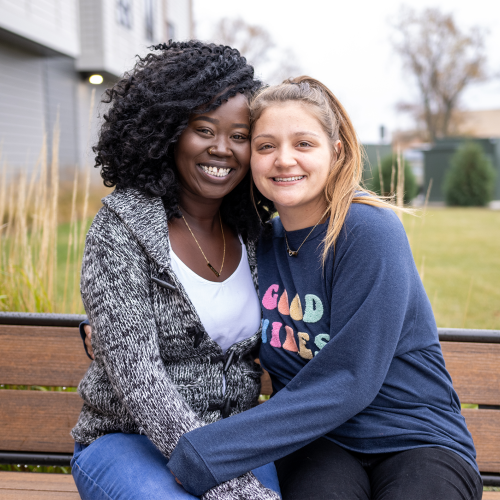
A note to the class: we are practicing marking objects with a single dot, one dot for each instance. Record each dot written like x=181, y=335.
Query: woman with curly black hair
x=169, y=275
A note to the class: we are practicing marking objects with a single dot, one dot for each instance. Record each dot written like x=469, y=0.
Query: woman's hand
x=88, y=340
x=176, y=480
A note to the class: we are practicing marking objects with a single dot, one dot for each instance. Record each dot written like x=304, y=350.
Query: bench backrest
x=53, y=356
x=44, y=356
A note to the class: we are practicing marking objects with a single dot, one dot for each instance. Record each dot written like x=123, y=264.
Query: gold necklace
x=212, y=268
x=294, y=253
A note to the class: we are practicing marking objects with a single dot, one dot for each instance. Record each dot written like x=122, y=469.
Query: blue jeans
x=129, y=467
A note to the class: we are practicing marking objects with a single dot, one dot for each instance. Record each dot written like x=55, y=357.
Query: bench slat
x=41, y=355
x=475, y=371
x=37, y=481
x=484, y=425
x=266, y=384
x=37, y=495
x=38, y=421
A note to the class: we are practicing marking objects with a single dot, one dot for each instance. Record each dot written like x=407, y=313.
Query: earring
x=209, y=150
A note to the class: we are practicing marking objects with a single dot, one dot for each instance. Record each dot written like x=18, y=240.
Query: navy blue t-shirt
x=353, y=353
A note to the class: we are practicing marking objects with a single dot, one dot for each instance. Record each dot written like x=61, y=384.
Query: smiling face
x=291, y=157
x=225, y=132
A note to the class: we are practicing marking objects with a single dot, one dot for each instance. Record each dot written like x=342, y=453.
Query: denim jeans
x=129, y=467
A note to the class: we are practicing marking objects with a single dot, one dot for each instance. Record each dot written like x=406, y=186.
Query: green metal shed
x=370, y=165
x=437, y=162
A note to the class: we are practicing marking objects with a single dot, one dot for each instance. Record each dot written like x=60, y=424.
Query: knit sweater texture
x=156, y=371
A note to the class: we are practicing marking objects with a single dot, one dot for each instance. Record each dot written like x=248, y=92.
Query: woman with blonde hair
x=363, y=407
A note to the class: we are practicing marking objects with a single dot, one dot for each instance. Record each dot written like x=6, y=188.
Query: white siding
x=33, y=91
x=22, y=116
x=51, y=23
x=60, y=80
x=34, y=87
x=91, y=35
x=179, y=14
x=109, y=46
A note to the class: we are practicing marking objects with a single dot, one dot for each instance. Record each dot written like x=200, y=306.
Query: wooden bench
x=46, y=350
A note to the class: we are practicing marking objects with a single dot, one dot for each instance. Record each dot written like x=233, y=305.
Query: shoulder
x=106, y=225
x=371, y=223
x=372, y=235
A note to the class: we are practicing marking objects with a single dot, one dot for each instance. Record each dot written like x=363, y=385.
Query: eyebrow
x=207, y=119
x=271, y=136
x=216, y=122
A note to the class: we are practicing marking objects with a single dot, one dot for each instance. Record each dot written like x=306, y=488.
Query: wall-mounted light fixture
x=96, y=79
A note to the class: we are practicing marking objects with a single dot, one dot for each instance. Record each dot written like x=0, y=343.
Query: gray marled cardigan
x=156, y=371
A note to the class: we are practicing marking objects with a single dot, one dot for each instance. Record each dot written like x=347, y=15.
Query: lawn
x=73, y=302
x=457, y=252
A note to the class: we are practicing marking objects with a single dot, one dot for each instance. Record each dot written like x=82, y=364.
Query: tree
x=471, y=178
x=443, y=60
x=389, y=169
x=254, y=42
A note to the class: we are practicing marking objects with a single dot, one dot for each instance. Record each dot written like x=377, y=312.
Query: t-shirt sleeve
x=370, y=281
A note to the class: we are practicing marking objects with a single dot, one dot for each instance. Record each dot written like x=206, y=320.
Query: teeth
x=216, y=172
x=288, y=179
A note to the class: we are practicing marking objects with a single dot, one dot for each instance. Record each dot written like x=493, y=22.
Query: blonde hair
x=343, y=185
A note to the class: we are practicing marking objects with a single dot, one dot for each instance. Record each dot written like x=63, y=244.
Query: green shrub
x=471, y=177
x=411, y=188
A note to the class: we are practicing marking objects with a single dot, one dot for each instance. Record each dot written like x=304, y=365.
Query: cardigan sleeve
x=115, y=289
x=370, y=289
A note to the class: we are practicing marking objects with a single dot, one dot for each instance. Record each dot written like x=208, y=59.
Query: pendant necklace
x=294, y=253
x=212, y=268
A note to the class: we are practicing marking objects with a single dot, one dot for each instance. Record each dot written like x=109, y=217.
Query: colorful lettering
x=321, y=340
x=283, y=304
x=275, y=341
x=265, y=324
x=270, y=300
x=314, y=309
x=296, y=309
x=290, y=344
x=304, y=352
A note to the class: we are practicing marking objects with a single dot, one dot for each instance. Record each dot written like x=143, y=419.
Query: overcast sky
x=347, y=46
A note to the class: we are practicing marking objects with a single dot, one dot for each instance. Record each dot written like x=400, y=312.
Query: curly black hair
x=150, y=107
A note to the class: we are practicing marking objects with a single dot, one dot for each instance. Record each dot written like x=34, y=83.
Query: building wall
x=108, y=45
x=91, y=35
x=179, y=15
x=35, y=91
x=437, y=161
x=22, y=112
x=60, y=86
x=374, y=154
x=481, y=123
x=50, y=23
x=48, y=48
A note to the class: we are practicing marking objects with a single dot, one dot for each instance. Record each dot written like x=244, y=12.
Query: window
x=148, y=18
x=124, y=13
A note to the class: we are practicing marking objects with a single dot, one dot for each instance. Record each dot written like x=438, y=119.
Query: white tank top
x=230, y=310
